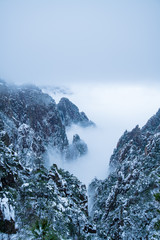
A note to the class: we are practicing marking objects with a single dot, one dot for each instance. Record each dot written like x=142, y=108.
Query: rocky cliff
x=126, y=205
x=31, y=121
x=35, y=202
x=39, y=203
x=70, y=114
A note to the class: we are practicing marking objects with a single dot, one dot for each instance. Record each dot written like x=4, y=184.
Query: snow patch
x=7, y=209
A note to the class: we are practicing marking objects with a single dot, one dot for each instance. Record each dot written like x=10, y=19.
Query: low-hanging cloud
x=95, y=162
x=114, y=109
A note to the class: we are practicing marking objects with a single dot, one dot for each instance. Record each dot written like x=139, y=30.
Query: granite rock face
x=124, y=205
x=31, y=121
x=70, y=114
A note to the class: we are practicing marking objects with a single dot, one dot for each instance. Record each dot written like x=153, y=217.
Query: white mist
x=113, y=108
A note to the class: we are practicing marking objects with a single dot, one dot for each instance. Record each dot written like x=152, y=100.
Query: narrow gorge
x=38, y=201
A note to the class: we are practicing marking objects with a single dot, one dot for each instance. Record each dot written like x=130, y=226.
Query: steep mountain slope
x=35, y=202
x=32, y=200
x=31, y=121
x=70, y=114
x=124, y=205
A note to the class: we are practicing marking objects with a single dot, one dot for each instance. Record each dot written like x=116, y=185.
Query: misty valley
x=79, y=120
x=42, y=197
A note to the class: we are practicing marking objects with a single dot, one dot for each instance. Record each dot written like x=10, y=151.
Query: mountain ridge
x=124, y=204
x=30, y=119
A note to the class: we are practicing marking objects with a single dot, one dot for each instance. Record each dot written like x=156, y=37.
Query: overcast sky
x=65, y=41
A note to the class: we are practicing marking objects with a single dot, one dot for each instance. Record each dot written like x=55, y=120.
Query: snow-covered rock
x=124, y=205
x=36, y=201
x=70, y=114
x=31, y=121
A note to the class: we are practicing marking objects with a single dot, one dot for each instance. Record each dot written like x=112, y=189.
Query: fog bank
x=114, y=109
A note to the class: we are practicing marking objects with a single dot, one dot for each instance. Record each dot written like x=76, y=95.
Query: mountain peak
x=153, y=124
x=70, y=114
